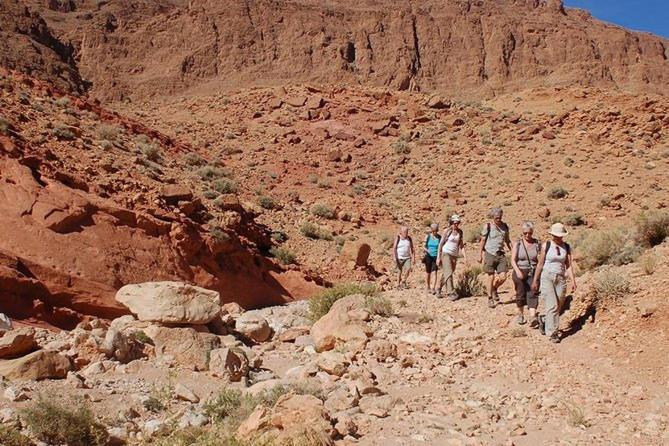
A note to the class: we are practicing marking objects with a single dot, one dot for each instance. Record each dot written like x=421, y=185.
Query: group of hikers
x=538, y=269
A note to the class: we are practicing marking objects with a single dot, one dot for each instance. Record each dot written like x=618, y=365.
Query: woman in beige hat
x=452, y=241
x=554, y=262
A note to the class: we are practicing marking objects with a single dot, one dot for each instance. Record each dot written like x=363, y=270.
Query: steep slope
x=465, y=48
x=28, y=45
x=90, y=201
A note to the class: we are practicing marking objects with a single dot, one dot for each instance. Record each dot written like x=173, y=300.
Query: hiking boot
x=555, y=338
x=491, y=303
x=520, y=319
x=495, y=296
x=453, y=297
x=542, y=325
x=534, y=323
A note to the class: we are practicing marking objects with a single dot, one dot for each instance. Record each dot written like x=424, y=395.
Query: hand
x=573, y=286
x=535, y=286
x=521, y=275
x=481, y=259
x=439, y=260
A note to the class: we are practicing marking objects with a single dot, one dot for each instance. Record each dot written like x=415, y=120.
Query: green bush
x=573, y=220
x=209, y=173
x=219, y=235
x=153, y=404
x=557, y=193
x=322, y=210
x=4, y=125
x=284, y=256
x=401, y=147
x=224, y=186
x=108, y=132
x=73, y=425
x=320, y=304
x=10, y=436
x=63, y=101
x=607, y=247
x=379, y=305
x=62, y=131
x=313, y=231
x=608, y=284
x=468, y=284
x=652, y=228
x=150, y=151
x=194, y=159
x=225, y=404
x=266, y=202
x=648, y=263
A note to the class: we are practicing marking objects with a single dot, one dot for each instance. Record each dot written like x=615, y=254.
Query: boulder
x=338, y=327
x=42, y=364
x=291, y=334
x=187, y=347
x=255, y=423
x=230, y=363
x=294, y=414
x=174, y=193
x=253, y=326
x=170, y=302
x=357, y=251
x=333, y=363
x=5, y=323
x=17, y=343
x=183, y=393
x=438, y=102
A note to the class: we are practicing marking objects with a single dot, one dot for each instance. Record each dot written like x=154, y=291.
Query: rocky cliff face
x=91, y=201
x=138, y=49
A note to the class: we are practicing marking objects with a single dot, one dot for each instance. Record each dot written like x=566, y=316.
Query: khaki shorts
x=495, y=263
x=403, y=265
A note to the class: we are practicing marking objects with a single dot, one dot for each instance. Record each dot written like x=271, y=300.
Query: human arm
x=514, y=261
x=539, y=269
x=482, y=246
x=570, y=268
x=507, y=239
x=395, y=249
x=442, y=240
x=425, y=242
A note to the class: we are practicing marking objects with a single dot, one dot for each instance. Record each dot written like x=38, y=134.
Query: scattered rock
x=17, y=343
x=253, y=327
x=337, y=326
x=38, y=365
x=184, y=393
x=170, y=302
x=333, y=363
x=230, y=363
x=185, y=346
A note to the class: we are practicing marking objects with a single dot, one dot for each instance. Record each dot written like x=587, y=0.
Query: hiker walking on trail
x=449, y=250
x=494, y=237
x=404, y=256
x=524, y=259
x=431, y=248
x=554, y=262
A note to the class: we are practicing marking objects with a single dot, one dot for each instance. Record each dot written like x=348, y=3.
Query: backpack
x=548, y=246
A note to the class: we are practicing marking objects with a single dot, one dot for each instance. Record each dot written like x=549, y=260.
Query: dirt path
x=481, y=379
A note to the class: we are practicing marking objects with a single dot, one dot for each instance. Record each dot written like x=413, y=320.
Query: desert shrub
x=648, y=263
x=210, y=194
x=106, y=145
x=607, y=247
x=142, y=337
x=108, y=132
x=266, y=202
x=576, y=416
x=62, y=131
x=652, y=228
x=572, y=220
x=279, y=236
x=153, y=404
x=225, y=404
x=74, y=425
x=219, y=235
x=150, y=151
x=224, y=186
x=194, y=159
x=322, y=210
x=557, y=193
x=610, y=285
x=283, y=255
x=63, y=101
x=320, y=304
x=211, y=173
x=468, y=284
x=379, y=305
x=10, y=436
x=313, y=231
x=401, y=147
x=472, y=235
x=4, y=125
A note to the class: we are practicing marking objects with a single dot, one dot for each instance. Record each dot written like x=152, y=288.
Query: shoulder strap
x=520, y=242
x=548, y=246
x=567, y=247
x=487, y=232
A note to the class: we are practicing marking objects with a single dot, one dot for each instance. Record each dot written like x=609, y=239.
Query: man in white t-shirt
x=404, y=256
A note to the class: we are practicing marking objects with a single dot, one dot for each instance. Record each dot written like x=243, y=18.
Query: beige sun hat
x=558, y=230
x=454, y=217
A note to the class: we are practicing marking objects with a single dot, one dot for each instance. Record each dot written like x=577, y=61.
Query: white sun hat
x=455, y=217
x=558, y=230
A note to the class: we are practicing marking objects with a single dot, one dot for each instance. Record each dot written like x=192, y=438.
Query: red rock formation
x=461, y=47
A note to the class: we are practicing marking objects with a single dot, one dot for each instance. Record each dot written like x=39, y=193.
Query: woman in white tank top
x=555, y=261
x=448, y=252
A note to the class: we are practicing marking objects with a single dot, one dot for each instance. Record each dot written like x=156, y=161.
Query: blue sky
x=639, y=15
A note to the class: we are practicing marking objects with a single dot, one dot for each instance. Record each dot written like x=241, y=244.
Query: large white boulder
x=170, y=302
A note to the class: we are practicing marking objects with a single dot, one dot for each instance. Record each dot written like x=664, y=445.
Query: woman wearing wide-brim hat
x=554, y=262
